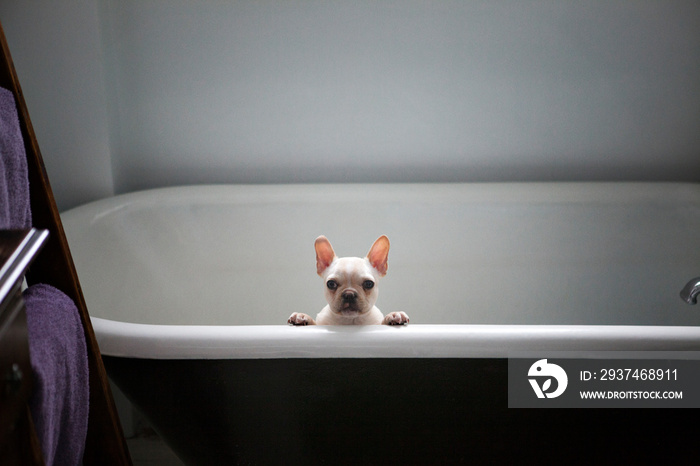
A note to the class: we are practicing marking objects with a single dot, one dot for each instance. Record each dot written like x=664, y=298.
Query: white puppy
x=350, y=285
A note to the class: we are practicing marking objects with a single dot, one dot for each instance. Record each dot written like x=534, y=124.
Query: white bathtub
x=485, y=271
x=482, y=269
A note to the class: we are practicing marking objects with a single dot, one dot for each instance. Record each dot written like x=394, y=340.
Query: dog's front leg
x=396, y=318
x=298, y=318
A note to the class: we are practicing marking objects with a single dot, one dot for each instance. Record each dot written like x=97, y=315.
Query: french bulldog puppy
x=350, y=285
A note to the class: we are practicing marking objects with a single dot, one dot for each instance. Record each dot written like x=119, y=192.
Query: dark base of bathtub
x=383, y=411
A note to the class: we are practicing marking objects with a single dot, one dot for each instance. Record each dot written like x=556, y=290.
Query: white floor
x=151, y=451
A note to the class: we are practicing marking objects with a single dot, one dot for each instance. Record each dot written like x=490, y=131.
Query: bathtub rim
x=150, y=341
x=540, y=191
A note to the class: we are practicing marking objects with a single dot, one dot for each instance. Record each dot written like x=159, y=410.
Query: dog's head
x=351, y=282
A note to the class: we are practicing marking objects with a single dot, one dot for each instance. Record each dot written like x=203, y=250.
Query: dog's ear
x=324, y=254
x=378, y=255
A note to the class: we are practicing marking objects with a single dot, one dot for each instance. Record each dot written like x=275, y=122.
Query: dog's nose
x=349, y=296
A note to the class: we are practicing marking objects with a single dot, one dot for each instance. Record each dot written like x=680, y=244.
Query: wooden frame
x=105, y=443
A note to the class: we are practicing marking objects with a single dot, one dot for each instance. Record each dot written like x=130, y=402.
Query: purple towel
x=59, y=403
x=14, y=186
x=57, y=349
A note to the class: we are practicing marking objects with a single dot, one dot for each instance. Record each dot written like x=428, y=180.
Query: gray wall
x=132, y=94
x=57, y=51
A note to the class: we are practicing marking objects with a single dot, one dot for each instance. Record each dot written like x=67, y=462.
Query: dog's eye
x=368, y=284
x=332, y=285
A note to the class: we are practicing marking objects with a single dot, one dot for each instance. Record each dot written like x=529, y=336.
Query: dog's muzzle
x=349, y=296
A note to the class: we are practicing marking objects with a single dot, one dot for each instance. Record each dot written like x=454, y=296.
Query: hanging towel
x=57, y=349
x=15, y=211
x=60, y=400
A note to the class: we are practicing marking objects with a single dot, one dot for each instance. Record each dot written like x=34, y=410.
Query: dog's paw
x=300, y=319
x=396, y=318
